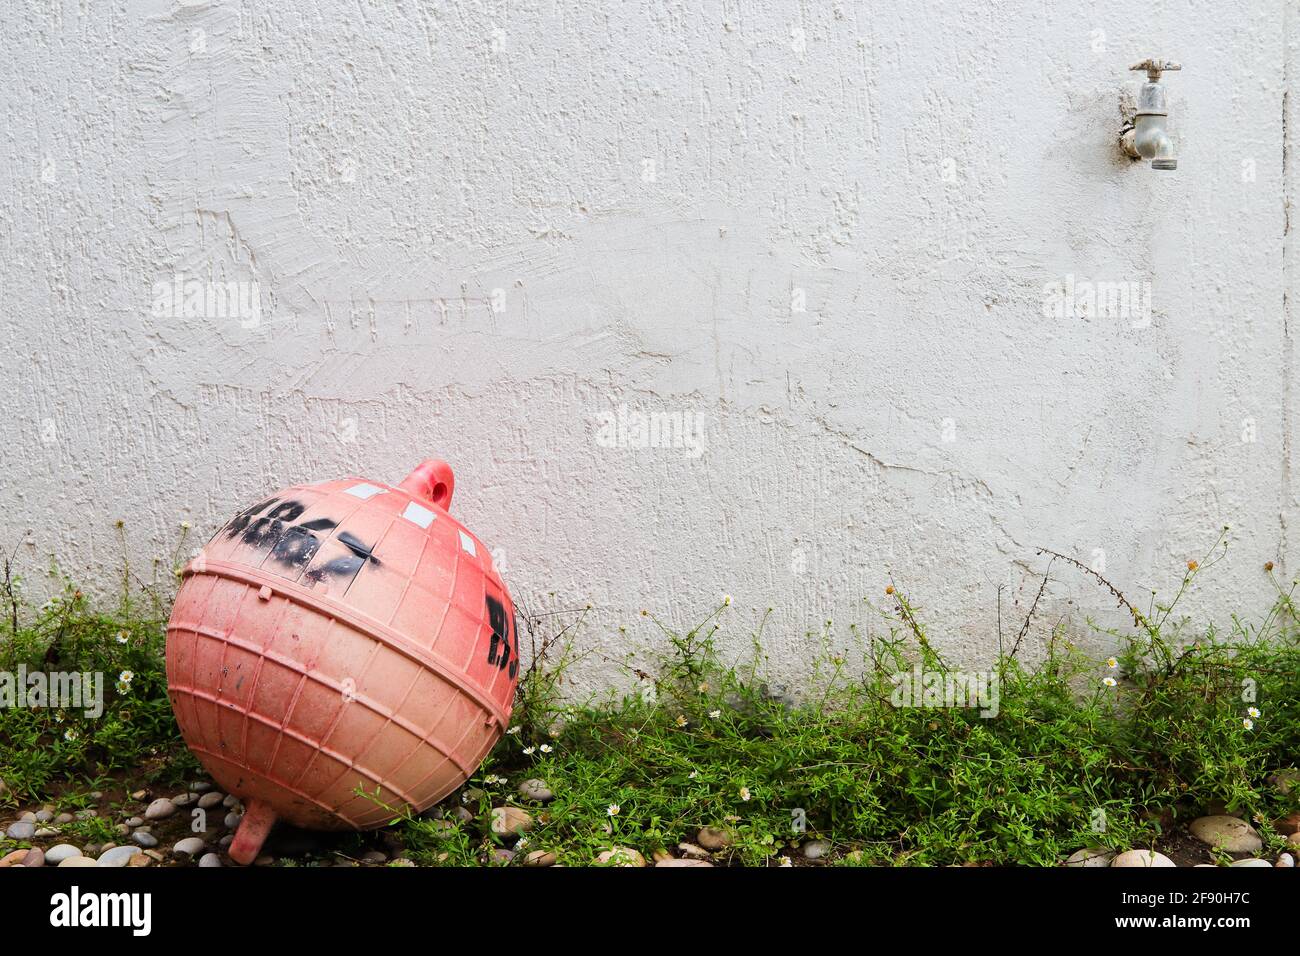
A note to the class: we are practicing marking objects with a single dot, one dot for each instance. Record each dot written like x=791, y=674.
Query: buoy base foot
x=253, y=830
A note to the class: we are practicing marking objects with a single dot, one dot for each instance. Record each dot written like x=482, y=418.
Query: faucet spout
x=1151, y=141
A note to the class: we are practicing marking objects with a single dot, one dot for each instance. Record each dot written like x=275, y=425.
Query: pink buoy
x=341, y=650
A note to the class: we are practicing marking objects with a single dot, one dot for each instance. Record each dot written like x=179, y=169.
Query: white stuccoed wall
x=476, y=226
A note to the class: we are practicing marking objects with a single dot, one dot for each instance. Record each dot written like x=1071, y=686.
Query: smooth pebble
x=620, y=856
x=683, y=863
x=510, y=821
x=1145, y=858
x=189, y=846
x=713, y=838
x=816, y=849
x=1230, y=834
x=1091, y=856
x=63, y=851
x=22, y=830
x=118, y=856
x=536, y=789
x=160, y=809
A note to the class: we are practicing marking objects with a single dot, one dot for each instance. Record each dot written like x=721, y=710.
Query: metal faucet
x=1148, y=137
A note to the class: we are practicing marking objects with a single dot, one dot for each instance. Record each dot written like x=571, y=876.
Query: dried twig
x=1024, y=628
x=1138, y=616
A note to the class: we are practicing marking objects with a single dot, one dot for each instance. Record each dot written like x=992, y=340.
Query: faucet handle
x=1155, y=67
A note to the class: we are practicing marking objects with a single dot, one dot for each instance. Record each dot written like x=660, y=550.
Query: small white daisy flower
x=1112, y=663
x=613, y=809
x=514, y=729
x=693, y=774
x=785, y=861
x=126, y=677
x=70, y=735
x=122, y=637
x=681, y=720
x=744, y=793
x=1109, y=681
x=529, y=751
x=1253, y=711
x=545, y=748
x=715, y=714
x=1248, y=724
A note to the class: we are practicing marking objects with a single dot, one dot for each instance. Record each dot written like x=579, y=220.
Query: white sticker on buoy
x=467, y=543
x=418, y=515
x=364, y=490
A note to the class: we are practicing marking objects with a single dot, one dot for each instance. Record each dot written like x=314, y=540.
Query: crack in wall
x=1288, y=250
x=948, y=473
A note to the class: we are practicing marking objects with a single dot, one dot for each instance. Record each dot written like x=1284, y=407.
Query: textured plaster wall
x=818, y=232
